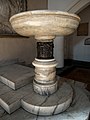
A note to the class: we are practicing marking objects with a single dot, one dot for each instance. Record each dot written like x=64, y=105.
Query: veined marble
x=45, y=25
x=51, y=104
x=45, y=82
x=15, y=75
x=78, y=110
x=25, y=97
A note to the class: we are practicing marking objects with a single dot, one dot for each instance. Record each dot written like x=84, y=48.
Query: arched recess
x=61, y=47
x=80, y=5
x=76, y=8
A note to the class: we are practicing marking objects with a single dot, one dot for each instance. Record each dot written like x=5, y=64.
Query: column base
x=45, y=89
x=45, y=81
x=51, y=104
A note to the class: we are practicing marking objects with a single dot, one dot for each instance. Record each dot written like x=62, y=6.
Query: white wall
x=72, y=6
x=63, y=5
x=59, y=51
x=79, y=50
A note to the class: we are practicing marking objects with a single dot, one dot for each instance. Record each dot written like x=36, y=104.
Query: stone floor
x=15, y=75
x=80, y=74
x=10, y=99
x=78, y=110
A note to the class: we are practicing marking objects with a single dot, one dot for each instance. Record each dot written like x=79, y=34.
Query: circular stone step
x=49, y=105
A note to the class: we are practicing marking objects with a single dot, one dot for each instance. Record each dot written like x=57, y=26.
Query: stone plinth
x=50, y=104
x=25, y=97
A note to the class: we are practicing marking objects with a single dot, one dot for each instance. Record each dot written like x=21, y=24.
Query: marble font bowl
x=44, y=24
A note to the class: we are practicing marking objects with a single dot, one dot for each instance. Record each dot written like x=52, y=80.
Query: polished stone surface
x=45, y=82
x=2, y=111
x=4, y=89
x=44, y=24
x=50, y=104
x=78, y=110
x=12, y=100
x=45, y=89
x=15, y=75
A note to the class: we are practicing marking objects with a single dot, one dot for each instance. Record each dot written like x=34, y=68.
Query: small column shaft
x=45, y=50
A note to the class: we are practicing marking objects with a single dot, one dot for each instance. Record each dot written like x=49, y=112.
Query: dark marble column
x=45, y=50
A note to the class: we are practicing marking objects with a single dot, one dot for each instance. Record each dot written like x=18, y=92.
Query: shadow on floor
x=76, y=73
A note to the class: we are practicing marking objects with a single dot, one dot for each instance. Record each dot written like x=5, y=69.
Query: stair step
x=11, y=100
x=15, y=76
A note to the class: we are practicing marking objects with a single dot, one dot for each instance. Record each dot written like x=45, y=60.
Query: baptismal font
x=49, y=93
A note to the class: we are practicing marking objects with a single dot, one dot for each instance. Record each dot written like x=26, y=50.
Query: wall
x=63, y=5
x=20, y=47
x=59, y=51
x=72, y=6
x=37, y=4
x=77, y=50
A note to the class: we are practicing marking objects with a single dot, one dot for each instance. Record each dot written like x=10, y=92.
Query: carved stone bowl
x=44, y=24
